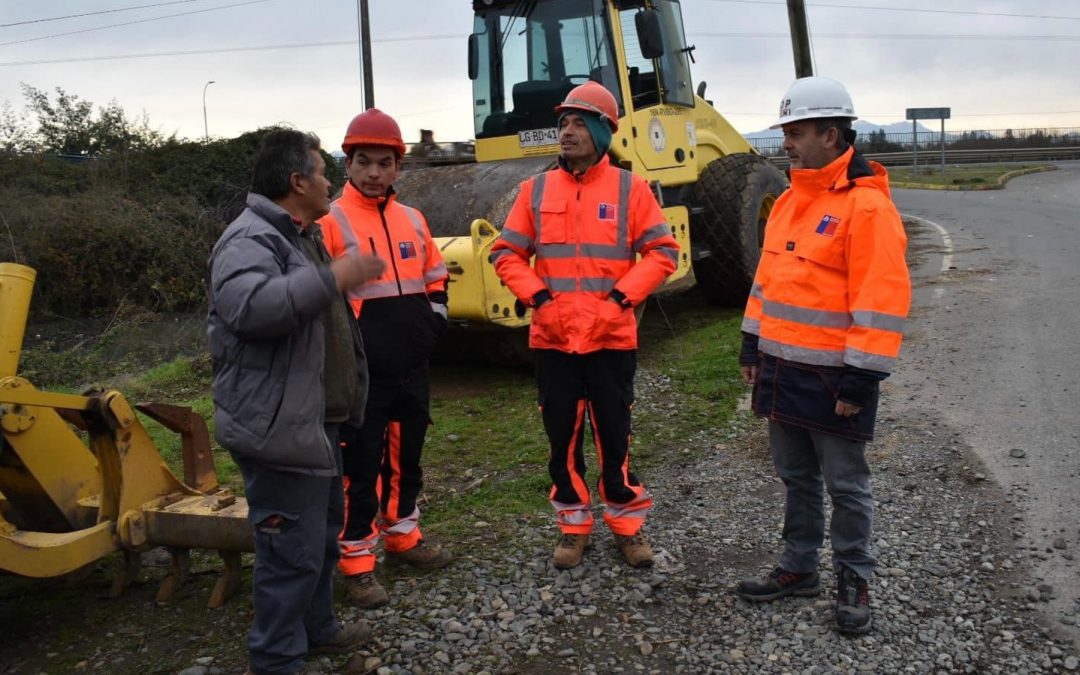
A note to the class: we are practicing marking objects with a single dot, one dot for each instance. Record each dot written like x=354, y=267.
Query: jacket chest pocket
x=825, y=251
x=552, y=228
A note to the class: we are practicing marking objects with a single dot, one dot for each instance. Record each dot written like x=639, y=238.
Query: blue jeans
x=297, y=519
x=805, y=460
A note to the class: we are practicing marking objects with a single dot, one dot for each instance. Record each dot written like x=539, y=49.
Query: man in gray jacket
x=287, y=371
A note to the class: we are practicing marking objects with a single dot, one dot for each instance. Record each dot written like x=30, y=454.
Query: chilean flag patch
x=828, y=225
x=407, y=249
x=607, y=212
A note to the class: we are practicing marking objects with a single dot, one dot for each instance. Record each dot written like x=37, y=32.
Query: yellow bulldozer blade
x=66, y=503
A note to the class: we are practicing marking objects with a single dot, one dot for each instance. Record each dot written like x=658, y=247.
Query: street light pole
x=206, y=128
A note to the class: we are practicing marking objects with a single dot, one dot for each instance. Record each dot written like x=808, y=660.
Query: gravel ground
x=952, y=593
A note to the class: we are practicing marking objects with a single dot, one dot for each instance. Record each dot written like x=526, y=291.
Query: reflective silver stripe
x=566, y=284
x=752, y=326
x=560, y=284
x=622, y=236
x=654, y=232
x=402, y=526
x=418, y=225
x=636, y=508
x=440, y=310
x=860, y=359
x=351, y=244
x=435, y=273
x=602, y=284
x=621, y=513
x=613, y=511
x=879, y=320
x=814, y=357
x=572, y=514
x=517, y=240
x=602, y=251
x=537, y=200
x=385, y=289
x=669, y=253
x=495, y=255
x=756, y=292
x=357, y=548
x=810, y=317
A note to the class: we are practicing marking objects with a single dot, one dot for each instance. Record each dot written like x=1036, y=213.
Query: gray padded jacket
x=267, y=342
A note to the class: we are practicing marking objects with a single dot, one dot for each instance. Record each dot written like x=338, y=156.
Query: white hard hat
x=814, y=97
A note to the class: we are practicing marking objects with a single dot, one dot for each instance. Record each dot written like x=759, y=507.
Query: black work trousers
x=600, y=386
x=382, y=467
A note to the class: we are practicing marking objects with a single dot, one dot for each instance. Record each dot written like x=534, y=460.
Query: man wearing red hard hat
x=401, y=315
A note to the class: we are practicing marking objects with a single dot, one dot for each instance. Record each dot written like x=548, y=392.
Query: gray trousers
x=297, y=519
x=803, y=458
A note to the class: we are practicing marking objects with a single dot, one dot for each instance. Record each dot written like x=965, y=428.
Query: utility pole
x=363, y=26
x=800, y=38
x=206, y=127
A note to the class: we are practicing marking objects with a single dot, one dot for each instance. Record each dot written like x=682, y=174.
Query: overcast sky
x=996, y=63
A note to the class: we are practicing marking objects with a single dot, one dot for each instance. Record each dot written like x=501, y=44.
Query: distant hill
x=864, y=127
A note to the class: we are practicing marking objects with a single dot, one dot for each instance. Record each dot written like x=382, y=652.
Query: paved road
x=995, y=349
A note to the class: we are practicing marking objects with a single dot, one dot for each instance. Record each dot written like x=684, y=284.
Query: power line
x=225, y=50
x=340, y=43
x=131, y=23
x=104, y=11
x=911, y=10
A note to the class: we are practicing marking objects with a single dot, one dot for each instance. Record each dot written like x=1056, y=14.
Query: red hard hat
x=595, y=98
x=373, y=127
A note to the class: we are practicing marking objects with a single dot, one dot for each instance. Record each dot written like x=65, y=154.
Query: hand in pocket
x=546, y=321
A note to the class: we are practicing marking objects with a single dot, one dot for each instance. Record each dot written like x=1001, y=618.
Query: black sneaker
x=852, y=603
x=780, y=583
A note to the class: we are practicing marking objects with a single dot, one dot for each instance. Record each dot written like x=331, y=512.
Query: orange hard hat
x=595, y=98
x=373, y=127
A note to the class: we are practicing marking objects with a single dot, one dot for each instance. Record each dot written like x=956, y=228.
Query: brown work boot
x=637, y=551
x=350, y=637
x=423, y=556
x=365, y=591
x=569, y=550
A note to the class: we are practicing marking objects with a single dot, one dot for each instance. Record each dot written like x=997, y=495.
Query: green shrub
x=129, y=229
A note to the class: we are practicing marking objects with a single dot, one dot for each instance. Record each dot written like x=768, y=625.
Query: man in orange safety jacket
x=585, y=222
x=401, y=316
x=822, y=328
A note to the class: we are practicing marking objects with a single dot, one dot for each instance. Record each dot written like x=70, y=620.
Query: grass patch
x=486, y=455
x=971, y=175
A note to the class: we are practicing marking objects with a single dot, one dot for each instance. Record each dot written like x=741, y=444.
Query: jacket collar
x=592, y=173
x=846, y=171
x=268, y=210
x=354, y=197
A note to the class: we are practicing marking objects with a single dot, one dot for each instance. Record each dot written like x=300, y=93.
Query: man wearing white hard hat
x=822, y=328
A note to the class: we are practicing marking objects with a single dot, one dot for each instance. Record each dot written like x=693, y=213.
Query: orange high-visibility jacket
x=586, y=233
x=404, y=310
x=832, y=286
x=392, y=231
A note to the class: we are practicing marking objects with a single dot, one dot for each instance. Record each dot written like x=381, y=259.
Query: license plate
x=537, y=137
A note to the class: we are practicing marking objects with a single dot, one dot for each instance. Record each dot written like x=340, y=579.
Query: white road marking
x=946, y=244
x=946, y=240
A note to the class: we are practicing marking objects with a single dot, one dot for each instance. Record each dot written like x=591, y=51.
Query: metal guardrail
x=930, y=157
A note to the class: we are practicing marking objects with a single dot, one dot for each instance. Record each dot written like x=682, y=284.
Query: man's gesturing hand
x=351, y=270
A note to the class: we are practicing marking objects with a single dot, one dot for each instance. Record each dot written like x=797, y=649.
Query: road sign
x=914, y=114
x=928, y=113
